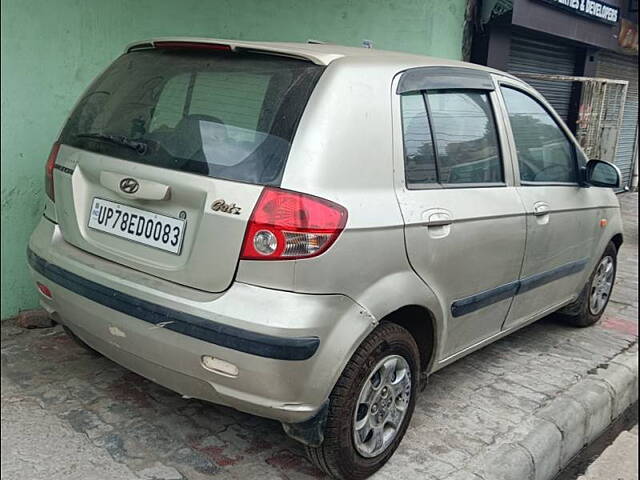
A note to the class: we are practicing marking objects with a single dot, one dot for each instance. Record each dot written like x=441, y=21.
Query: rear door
x=563, y=217
x=464, y=221
x=166, y=154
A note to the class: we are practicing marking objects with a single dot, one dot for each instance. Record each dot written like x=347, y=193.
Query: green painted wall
x=52, y=49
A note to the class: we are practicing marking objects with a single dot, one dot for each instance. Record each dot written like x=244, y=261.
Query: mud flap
x=310, y=432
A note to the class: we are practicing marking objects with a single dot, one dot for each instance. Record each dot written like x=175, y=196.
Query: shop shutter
x=623, y=67
x=534, y=55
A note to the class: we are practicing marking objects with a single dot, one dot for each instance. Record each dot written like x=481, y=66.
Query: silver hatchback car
x=305, y=232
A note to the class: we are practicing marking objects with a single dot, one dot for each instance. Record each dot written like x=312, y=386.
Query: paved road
x=67, y=415
x=619, y=461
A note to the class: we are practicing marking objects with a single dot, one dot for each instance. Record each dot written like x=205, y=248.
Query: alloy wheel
x=601, y=285
x=382, y=406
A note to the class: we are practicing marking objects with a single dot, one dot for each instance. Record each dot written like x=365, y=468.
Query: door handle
x=541, y=209
x=439, y=220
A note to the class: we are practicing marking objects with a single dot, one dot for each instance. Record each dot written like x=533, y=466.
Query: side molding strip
x=489, y=297
x=484, y=299
x=535, y=281
x=228, y=336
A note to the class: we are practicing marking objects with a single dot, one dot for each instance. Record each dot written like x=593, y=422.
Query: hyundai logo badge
x=129, y=185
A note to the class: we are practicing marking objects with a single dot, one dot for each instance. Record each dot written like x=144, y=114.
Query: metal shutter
x=532, y=55
x=623, y=67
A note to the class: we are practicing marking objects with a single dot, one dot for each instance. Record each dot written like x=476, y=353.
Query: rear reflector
x=44, y=290
x=48, y=174
x=193, y=46
x=287, y=225
x=217, y=365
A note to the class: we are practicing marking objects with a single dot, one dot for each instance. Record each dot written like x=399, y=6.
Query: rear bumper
x=288, y=348
x=247, y=341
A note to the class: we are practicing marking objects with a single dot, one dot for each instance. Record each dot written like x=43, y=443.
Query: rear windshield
x=221, y=114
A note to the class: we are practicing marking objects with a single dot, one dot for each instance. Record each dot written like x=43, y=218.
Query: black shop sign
x=593, y=9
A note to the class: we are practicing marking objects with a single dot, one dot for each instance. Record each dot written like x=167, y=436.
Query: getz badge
x=221, y=206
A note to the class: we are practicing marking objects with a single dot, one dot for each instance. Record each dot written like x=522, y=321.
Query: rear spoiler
x=231, y=46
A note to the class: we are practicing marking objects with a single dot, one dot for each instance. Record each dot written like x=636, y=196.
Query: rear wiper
x=139, y=147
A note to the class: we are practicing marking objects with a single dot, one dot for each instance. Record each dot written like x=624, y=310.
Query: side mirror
x=603, y=174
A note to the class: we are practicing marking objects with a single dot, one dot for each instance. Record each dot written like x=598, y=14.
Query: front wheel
x=596, y=294
x=370, y=406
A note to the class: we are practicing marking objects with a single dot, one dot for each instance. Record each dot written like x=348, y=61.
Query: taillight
x=48, y=174
x=287, y=225
x=44, y=290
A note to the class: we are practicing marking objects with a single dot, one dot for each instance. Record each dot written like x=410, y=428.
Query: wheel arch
x=419, y=321
x=412, y=305
x=617, y=240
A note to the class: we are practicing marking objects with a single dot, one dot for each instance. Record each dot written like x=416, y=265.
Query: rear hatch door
x=166, y=154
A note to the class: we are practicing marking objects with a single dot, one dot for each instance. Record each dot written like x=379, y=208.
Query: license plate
x=148, y=228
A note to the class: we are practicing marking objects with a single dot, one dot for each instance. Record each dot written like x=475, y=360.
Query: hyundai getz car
x=305, y=232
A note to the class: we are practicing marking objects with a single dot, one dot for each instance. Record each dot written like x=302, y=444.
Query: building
x=52, y=50
x=550, y=42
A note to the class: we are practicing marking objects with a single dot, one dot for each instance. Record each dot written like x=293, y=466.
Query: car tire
x=387, y=359
x=587, y=310
x=80, y=342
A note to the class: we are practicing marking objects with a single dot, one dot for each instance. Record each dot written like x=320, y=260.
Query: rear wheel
x=596, y=294
x=370, y=406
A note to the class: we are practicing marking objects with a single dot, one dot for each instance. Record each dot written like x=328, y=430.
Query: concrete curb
x=540, y=447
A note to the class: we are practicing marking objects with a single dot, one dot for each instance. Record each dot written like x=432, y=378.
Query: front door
x=562, y=216
x=464, y=221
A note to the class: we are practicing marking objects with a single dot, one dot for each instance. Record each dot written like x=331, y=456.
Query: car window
x=420, y=160
x=170, y=107
x=450, y=138
x=239, y=106
x=465, y=137
x=229, y=115
x=545, y=154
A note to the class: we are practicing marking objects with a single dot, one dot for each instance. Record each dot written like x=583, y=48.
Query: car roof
x=326, y=53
